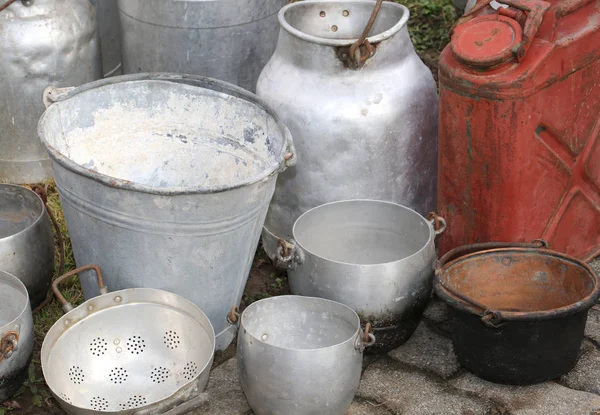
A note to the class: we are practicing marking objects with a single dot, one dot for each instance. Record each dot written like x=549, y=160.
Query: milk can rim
x=387, y=34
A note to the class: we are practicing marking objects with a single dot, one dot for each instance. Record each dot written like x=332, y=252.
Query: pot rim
x=351, y=339
x=374, y=201
x=60, y=327
x=582, y=305
x=386, y=34
x=4, y=278
x=38, y=218
x=195, y=81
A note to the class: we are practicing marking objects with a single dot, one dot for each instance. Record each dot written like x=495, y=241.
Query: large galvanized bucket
x=165, y=182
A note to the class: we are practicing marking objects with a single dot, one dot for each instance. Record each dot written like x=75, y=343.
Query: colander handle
x=67, y=306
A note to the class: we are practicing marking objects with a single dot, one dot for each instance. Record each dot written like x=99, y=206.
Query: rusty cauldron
x=519, y=309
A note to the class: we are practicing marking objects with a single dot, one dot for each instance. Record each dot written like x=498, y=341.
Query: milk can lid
x=486, y=41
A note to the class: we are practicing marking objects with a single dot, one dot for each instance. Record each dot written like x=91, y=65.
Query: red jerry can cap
x=486, y=41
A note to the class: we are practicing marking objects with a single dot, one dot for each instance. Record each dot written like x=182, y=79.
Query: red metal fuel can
x=519, y=146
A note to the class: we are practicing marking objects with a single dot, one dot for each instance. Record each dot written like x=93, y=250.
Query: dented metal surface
x=47, y=42
x=368, y=133
x=225, y=39
x=376, y=257
x=519, y=312
x=109, y=30
x=165, y=182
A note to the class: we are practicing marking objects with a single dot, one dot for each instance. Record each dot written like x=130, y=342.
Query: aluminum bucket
x=300, y=356
x=376, y=257
x=165, y=182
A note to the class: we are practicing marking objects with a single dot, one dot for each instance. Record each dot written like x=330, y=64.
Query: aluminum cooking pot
x=376, y=257
x=16, y=334
x=300, y=356
x=138, y=351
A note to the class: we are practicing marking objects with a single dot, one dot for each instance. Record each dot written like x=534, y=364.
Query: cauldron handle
x=67, y=306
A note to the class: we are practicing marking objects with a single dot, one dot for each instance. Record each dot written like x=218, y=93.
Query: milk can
x=41, y=42
x=230, y=40
x=363, y=112
x=109, y=30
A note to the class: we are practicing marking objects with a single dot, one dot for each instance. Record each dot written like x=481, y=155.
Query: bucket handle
x=490, y=318
x=67, y=306
x=289, y=254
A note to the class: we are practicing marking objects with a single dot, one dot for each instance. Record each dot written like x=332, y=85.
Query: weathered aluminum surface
x=376, y=257
x=136, y=351
x=15, y=317
x=49, y=42
x=299, y=355
x=165, y=181
x=369, y=133
x=225, y=39
x=519, y=312
x=26, y=241
x=109, y=29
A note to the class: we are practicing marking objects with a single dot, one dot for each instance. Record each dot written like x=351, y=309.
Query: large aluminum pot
x=300, y=356
x=230, y=40
x=367, y=132
x=26, y=241
x=43, y=42
x=376, y=257
x=16, y=334
x=109, y=29
x=164, y=174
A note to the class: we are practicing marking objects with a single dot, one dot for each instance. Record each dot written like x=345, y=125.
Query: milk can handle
x=26, y=3
x=535, y=14
x=67, y=306
x=362, y=50
x=41, y=192
x=289, y=254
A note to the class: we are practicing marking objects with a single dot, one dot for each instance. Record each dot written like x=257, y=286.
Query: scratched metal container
x=366, y=133
x=109, y=29
x=50, y=42
x=16, y=334
x=376, y=257
x=165, y=182
x=230, y=40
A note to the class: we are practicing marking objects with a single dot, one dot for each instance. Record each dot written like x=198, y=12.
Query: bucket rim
x=319, y=40
x=583, y=304
x=6, y=278
x=185, y=79
x=39, y=216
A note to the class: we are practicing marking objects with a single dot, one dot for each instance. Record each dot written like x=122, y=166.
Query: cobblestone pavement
x=423, y=377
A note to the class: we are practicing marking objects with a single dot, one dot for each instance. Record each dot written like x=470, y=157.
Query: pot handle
x=67, y=306
x=41, y=192
x=365, y=339
x=289, y=254
x=438, y=223
x=8, y=345
x=233, y=317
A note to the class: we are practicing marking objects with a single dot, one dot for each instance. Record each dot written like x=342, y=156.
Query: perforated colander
x=135, y=351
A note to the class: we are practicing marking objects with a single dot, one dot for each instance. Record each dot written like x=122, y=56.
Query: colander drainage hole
x=171, y=340
x=99, y=404
x=118, y=375
x=190, y=371
x=134, y=402
x=65, y=398
x=98, y=346
x=136, y=345
x=76, y=375
x=159, y=374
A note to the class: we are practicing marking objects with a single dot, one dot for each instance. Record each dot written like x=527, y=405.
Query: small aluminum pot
x=376, y=257
x=300, y=356
x=26, y=241
x=16, y=334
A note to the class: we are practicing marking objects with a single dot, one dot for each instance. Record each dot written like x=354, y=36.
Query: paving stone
x=407, y=392
x=368, y=408
x=547, y=398
x=225, y=395
x=592, y=328
x=428, y=351
x=585, y=374
x=595, y=264
x=437, y=311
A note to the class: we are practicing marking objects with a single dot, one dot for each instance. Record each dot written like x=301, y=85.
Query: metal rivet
x=67, y=322
x=334, y=28
x=90, y=307
x=117, y=299
x=264, y=337
x=119, y=350
x=346, y=13
x=322, y=14
x=116, y=341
